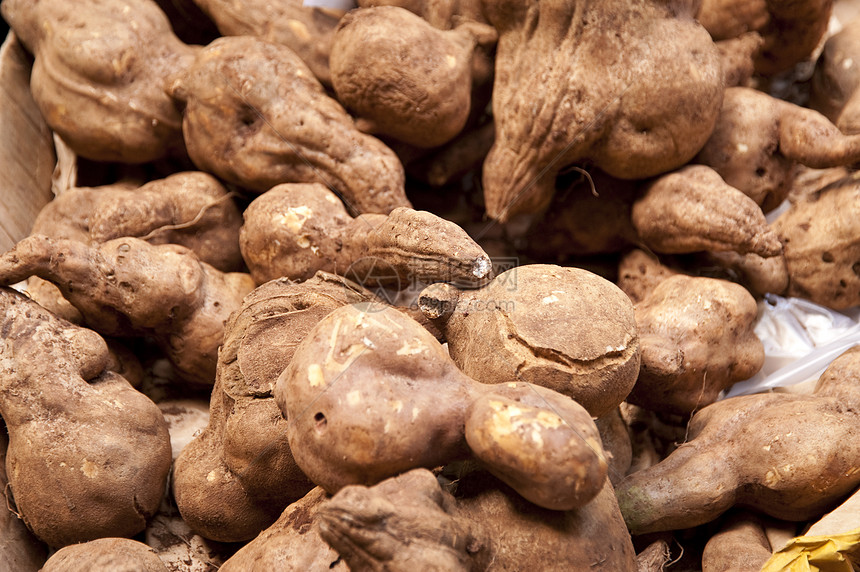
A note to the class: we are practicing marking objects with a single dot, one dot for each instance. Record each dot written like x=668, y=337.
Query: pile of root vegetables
x=447, y=285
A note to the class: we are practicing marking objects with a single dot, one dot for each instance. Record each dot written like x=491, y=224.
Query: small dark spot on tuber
x=760, y=172
x=827, y=256
x=321, y=421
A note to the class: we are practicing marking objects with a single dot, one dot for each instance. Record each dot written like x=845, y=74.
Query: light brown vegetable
x=404, y=78
x=292, y=543
x=759, y=139
x=128, y=287
x=617, y=445
x=563, y=328
x=99, y=74
x=189, y=208
x=105, y=555
x=370, y=394
x=244, y=447
x=740, y=545
x=639, y=272
x=88, y=455
x=20, y=549
x=566, y=91
x=256, y=116
x=790, y=456
x=307, y=30
x=822, y=244
x=836, y=78
x=791, y=30
x=295, y=230
x=693, y=209
x=697, y=339
x=408, y=522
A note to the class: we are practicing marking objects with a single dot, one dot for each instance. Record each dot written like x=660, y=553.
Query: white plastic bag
x=800, y=340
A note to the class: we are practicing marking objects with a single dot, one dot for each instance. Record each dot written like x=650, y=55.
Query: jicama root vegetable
x=20, y=550
x=741, y=545
x=563, y=328
x=244, y=447
x=99, y=74
x=790, y=456
x=370, y=394
x=791, y=30
x=88, y=455
x=307, y=30
x=696, y=337
x=402, y=77
x=821, y=243
x=836, y=79
x=256, y=116
x=292, y=543
x=295, y=230
x=105, y=555
x=693, y=209
x=758, y=140
x=566, y=91
x=190, y=208
x=639, y=273
x=408, y=522
x=128, y=287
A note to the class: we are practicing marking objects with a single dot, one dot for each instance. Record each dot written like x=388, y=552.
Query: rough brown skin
x=291, y=543
x=409, y=523
x=759, y=275
x=793, y=457
x=244, y=446
x=568, y=92
x=128, y=287
x=404, y=78
x=99, y=73
x=759, y=139
x=266, y=120
x=371, y=394
x=737, y=57
x=307, y=30
x=693, y=209
x=617, y=445
x=88, y=455
x=822, y=246
x=296, y=230
x=190, y=208
x=20, y=549
x=562, y=328
x=740, y=545
x=639, y=272
x=697, y=339
x=455, y=159
x=106, y=555
x=791, y=30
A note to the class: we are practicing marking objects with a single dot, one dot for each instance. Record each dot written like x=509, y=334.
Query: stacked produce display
x=447, y=285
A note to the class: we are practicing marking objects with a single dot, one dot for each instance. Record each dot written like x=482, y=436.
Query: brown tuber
x=99, y=74
x=567, y=329
x=370, y=394
x=256, y=116
x=106, y=555
x=88, y=455
x=295, y=230
x=410, y=523
x=402, y=77
x=244, y=447
x=128, y=287
x=791, y=456
x=697, y=339
x=595, y=82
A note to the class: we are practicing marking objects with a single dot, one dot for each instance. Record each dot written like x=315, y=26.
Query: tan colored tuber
x=256, y=116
